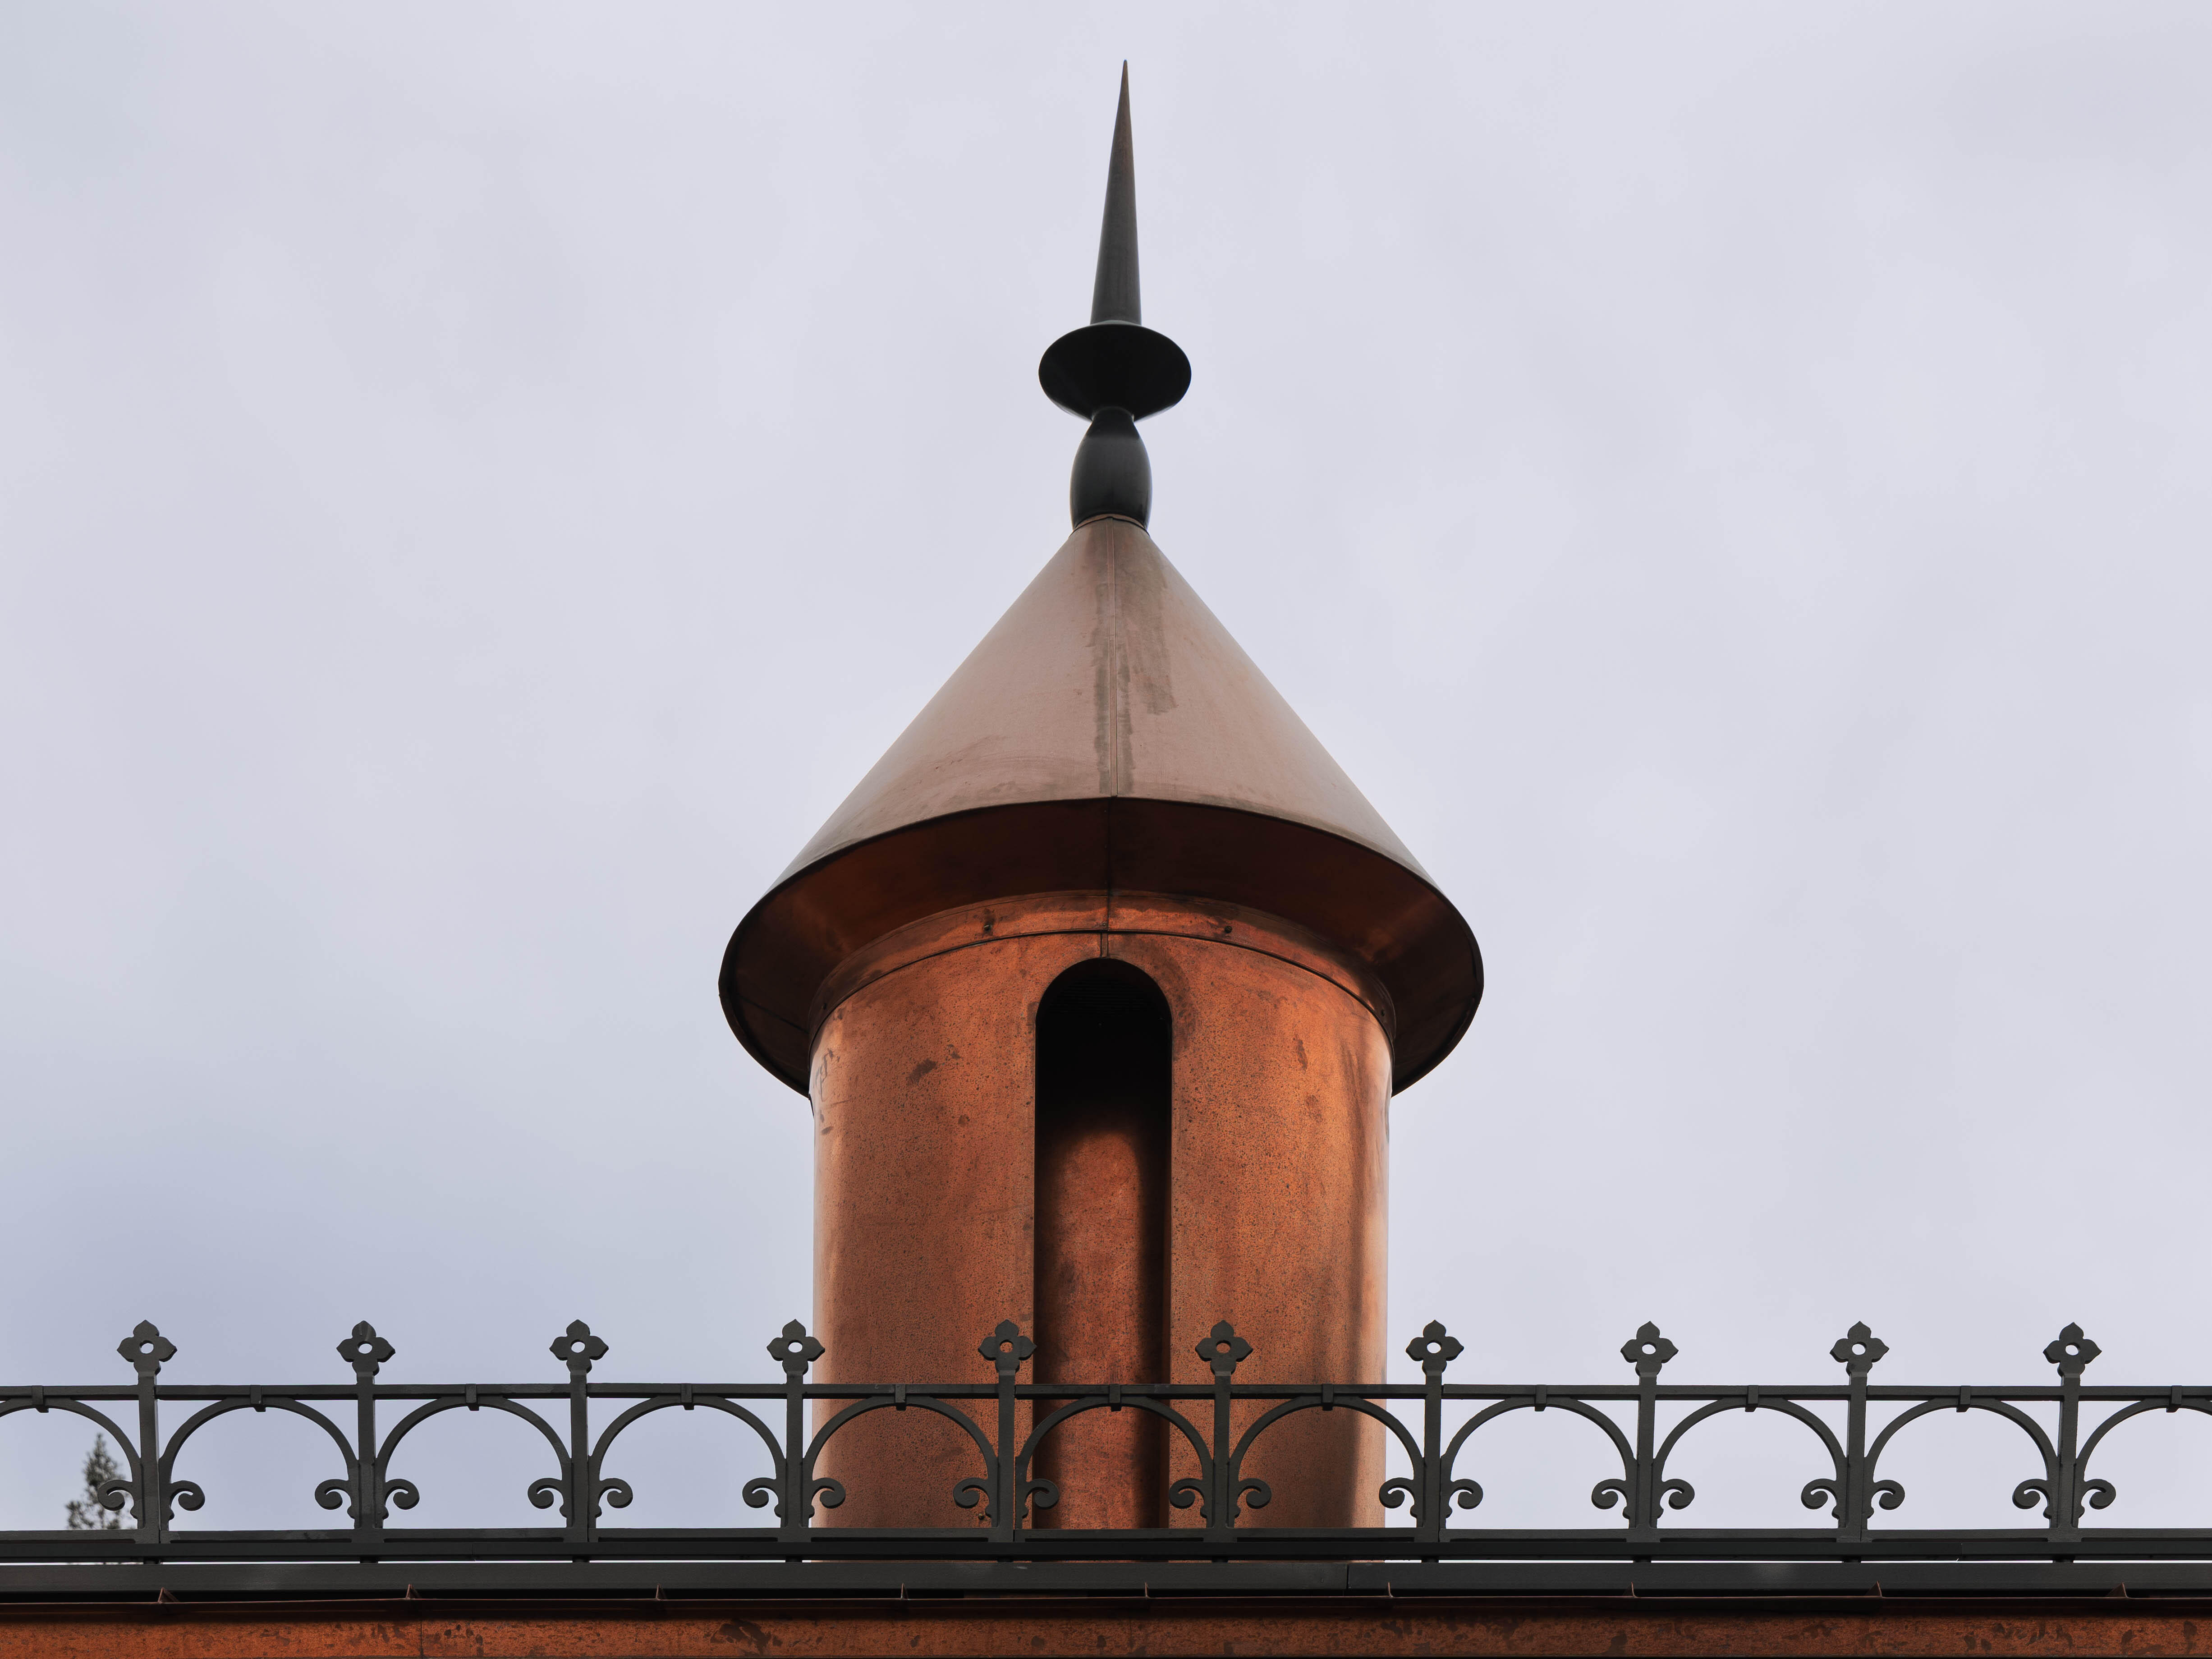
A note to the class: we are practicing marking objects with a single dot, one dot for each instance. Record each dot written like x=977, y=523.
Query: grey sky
x=477, y=486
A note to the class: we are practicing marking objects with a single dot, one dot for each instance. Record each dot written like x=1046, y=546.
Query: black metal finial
x=1117, y=371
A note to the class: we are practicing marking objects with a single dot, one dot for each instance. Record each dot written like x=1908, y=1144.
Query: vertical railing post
x=1434, y=1349
x=794, y=1350
x=2071, y=1351
x=146, y=1348
x=577, y=1348
x=1006, y=1348
x=366, y=1351
x=1856, y=1350
x=1223, y=1351
x=1649, y=1352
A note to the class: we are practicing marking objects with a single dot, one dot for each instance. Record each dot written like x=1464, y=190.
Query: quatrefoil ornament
x=579, y=1347
x=1006, y=1347
x=365, y=1351
x=1435, y=1348
x=1648, y=1351
x=1857, y=1349
x=147, y=1349
x=794, y=1350
x=2071, y=1351
x=1223, y=1350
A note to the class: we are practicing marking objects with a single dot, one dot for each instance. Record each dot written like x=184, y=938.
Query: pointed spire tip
x=1114, y=297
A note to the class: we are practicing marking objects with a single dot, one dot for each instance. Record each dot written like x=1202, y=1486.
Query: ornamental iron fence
x=1202, y=1419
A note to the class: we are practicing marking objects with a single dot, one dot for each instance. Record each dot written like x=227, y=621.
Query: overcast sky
x=478, y=485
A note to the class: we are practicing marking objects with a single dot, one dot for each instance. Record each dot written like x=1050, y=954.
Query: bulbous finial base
x=1113, y=474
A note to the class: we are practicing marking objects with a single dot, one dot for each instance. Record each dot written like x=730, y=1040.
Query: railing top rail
x=1626, y=1393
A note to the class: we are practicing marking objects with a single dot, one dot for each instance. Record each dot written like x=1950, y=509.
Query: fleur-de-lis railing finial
x=1006, y=1348
x=1641, y=1495
x=1433, y=1350
x=371, y=1495
x=1220, y=1488
x=1857, y=1350
x=578, y=1487
x=793, y=1485
x=2065, y=1494
x=148, y=1351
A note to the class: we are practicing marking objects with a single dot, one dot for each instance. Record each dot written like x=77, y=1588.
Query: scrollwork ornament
x=2094, y=1495
x=1461, y=1494
x=764, y=1489
x=1827, y=1488
x=547, y=1490
x=1187, y=1491
x=760, y=1490
x=1041, y=1494
x=973, y=1490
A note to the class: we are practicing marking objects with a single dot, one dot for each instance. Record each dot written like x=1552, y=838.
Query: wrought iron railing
x=1202, y=1419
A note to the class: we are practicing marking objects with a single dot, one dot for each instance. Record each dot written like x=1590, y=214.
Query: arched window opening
x=1103, y=1075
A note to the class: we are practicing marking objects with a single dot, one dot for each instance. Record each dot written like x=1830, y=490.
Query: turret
x=1099, y=985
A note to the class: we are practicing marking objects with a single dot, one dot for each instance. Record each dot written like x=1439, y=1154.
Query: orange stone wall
x=923, y=1097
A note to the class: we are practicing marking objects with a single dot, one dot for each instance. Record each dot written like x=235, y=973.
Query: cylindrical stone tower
x=1099, y=985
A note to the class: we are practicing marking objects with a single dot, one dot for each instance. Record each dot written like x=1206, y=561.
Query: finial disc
x=1114, y=366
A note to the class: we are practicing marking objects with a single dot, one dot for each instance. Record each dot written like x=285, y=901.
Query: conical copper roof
x=1108, y=677
x=1108, y=733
